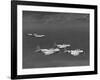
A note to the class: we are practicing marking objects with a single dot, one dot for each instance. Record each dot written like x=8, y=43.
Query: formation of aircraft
x=50, y=51
x=35, y=35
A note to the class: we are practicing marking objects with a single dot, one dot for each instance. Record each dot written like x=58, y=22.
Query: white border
x=21, y=71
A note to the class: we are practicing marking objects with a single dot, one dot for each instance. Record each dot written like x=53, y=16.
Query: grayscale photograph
x=55, y=39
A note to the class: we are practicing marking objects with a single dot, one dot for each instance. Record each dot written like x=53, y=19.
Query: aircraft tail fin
x=55, y=44
x=37, y=49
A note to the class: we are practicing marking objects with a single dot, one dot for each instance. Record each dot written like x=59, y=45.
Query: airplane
x=35, y=35
x=75, y=52
x=47, y=51
x=62, y=45
x=29, y=34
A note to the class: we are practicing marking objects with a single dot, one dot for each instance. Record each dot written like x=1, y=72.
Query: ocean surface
x=69, y=28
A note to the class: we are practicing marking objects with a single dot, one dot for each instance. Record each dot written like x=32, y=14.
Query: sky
x=71, y=28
